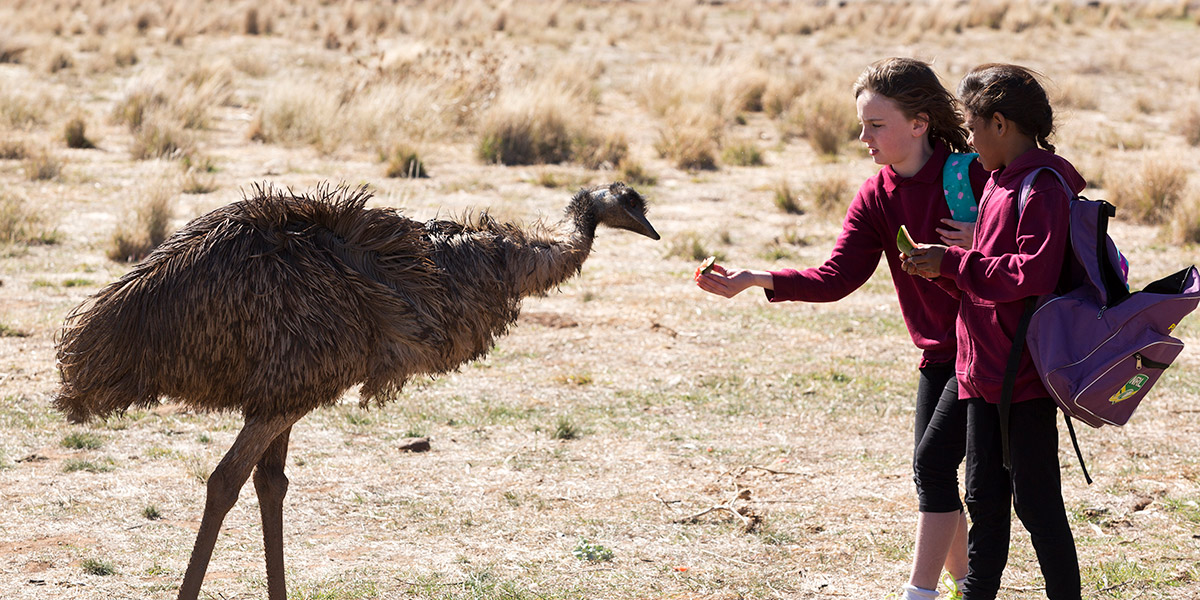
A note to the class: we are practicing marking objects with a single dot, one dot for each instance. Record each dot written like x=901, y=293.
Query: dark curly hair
x=916, y=89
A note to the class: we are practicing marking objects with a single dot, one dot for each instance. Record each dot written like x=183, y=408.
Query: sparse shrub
x=59, y=60
x=1189, y=123
x=13, y=149
x=42, y=165
x=747, y=90
x=98, y=567
x=634, y=173
x=1184, y=226
x=537, y=133
x=75, y=134
x=78, y=464
x=1151, y=194
x=294, y=115
x=689, y=148
x=403, y=161
x=564, y=429
x=786, y=198
x=689, y=246
x=198, y=175
x=137, y=104
x=830, y=195
x=10, y=331
x=23, y=112
x=152, y=513
x=599, y=151
x=82, y=441
x=781, y=93
x=744, y=154
x=21, y=225
x=153, y=219
x=585, y=550
x=826, y=118
x=161, y=137
x=11, y=47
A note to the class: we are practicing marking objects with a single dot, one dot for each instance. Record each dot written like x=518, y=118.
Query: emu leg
x=223, y=486
x=271, y=484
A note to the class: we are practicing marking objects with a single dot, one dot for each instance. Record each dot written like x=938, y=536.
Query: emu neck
x=552, y=255
x=551, y=258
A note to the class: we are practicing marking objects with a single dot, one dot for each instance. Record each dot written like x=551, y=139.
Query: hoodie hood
x=1012, y=175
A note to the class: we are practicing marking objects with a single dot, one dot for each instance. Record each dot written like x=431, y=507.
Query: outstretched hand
x=725, y=282
x=957, y=233
x=925, y=260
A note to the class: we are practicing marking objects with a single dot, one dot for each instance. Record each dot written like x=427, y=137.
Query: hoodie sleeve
x=1034, y=269
x=855, y=256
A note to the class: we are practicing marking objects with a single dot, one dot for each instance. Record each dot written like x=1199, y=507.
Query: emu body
x=274, y=306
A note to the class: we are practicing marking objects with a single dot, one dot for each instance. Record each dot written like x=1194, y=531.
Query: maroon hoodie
x=884, y=203
x=1012, y=258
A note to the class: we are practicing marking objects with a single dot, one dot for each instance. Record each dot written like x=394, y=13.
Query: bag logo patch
x=1131, y=387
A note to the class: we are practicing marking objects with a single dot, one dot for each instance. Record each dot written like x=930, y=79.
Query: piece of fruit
x=707, y=265
x=904, y=241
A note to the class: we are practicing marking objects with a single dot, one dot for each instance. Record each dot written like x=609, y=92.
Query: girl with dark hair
x=910, y=125
x=1017, y=254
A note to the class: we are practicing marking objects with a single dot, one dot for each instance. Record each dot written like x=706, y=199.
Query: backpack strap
x=1014, y=355
x=1010, y=376
x=956, y=185
x=1010, y=381
x=1027, y=187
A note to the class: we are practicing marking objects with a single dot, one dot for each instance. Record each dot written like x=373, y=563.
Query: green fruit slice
x=904, y=241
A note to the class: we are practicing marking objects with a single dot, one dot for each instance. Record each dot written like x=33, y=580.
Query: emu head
x=615, y=205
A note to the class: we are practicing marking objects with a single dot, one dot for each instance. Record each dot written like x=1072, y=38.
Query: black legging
x=940, y=440
x=1033, y=487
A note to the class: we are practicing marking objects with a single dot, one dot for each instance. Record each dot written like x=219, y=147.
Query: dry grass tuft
x=20, y=224
x=1151, y=194
x=293, y=114
x=13, y=149
x=691, y=138
x=160, y=136
x=634, y=173
x=1188, y=123
x=825, y=117
x=75, y=134
x=830, y=195
x=743, y=154
x=1184, y=224
x=152, y=222
x=546, y=124
x=42, y=165
x=786, y=199
x=403, y=161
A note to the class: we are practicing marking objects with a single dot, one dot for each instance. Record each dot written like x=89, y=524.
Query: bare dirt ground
x=623, y=403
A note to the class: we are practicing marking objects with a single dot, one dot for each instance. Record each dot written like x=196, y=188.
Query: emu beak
x=644, y=227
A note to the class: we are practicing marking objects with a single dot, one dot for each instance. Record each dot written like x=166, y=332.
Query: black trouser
x=941, y=434
x=1033, y=488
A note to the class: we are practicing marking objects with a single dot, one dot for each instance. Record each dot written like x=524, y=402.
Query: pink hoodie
x=1012, y=259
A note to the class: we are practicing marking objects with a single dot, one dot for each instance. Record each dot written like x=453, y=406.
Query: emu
x=275, y=305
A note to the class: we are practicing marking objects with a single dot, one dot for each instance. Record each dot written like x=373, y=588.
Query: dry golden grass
x=619, y=405
x=1152, y=191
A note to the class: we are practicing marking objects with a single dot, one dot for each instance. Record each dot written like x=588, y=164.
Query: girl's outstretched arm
x=731, y=282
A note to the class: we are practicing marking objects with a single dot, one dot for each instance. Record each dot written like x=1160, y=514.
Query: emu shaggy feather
x=278, y=303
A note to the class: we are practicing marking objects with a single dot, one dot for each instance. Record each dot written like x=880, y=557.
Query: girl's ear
x=1000, y=123
x=920, y=125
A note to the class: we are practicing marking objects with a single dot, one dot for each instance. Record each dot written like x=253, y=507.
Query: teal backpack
x=956, y=183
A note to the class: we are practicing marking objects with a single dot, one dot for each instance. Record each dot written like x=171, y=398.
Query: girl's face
x=985, y=140
x=891, y=137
